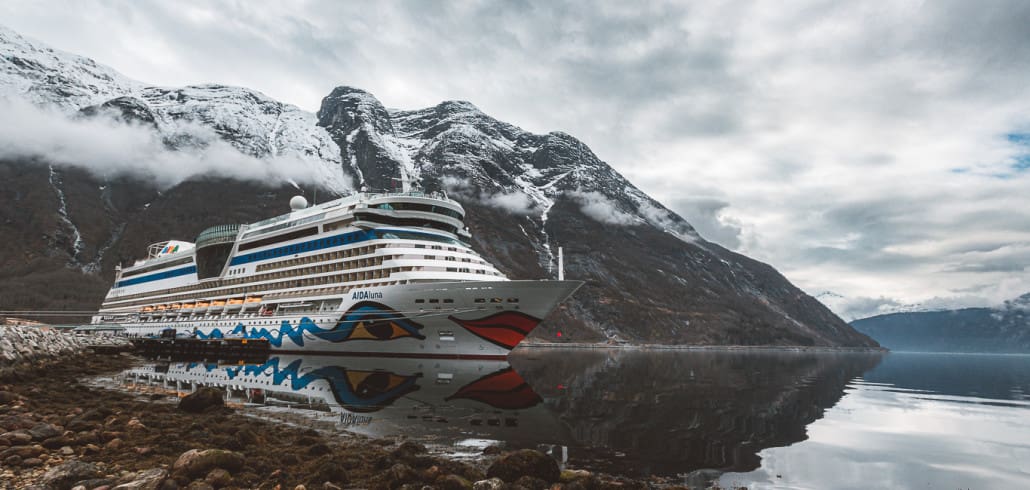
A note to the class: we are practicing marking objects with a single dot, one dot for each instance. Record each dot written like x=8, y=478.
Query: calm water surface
x=759, y=419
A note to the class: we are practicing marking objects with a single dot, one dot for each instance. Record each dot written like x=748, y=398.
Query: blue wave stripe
x=158, y=276
x=275, y=336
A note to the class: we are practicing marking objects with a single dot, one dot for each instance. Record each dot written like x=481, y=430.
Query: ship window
x=448, y=301
x=480, y=300
x=420, y=301
x=495, y=300
x=513, y=300
x=434, y=301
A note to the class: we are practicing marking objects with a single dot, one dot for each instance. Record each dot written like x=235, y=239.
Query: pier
x=176, y=349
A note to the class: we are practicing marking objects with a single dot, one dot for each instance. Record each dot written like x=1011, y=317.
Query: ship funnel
x=298, y=202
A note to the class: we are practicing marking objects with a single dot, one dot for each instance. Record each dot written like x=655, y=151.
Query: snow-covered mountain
x=253, y=123
x=649, y=276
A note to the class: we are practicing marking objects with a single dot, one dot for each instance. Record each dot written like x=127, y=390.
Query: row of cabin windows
x=434, y=300
x=318, y=269
x=336, y=255
x=477, y=300
x=281, y=295
x=353, y=252
x=314, y=281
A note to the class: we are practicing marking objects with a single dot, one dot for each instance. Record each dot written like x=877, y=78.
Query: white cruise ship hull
x=473, y=319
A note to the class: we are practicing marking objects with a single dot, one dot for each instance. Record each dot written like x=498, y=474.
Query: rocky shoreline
x=57, y=432
x=21, y=346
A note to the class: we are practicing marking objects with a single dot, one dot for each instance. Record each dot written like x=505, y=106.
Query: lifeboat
x=175, y=306
x=235, y=301
x=148, y=309
x=252, y=299
x=162, y=307
x=188, y=306
x=203, y=304
x=218, y=302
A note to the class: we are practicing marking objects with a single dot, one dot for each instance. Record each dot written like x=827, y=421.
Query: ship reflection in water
x=444, y=401
x=759, y=419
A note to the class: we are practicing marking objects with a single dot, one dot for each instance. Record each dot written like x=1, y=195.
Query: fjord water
x=916, y=420
x=758, y=419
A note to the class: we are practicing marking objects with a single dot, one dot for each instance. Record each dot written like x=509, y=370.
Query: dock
x=175, y=349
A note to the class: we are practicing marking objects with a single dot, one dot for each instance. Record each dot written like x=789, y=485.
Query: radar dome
x=298, y=202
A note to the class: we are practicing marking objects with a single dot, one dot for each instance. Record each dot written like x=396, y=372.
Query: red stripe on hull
x=505, y=329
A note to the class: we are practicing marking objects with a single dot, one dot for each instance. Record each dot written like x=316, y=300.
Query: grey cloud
x=107, y=147
x=818, y=138
x=705, y=214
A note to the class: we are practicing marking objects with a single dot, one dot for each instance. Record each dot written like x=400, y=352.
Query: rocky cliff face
x=1004, y=329
x=649, y=276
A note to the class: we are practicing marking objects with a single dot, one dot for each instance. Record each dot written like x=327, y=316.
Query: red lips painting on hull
x=505, y=329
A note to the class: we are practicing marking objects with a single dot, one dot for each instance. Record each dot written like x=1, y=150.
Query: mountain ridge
x=1002, y=329
x=649, y=275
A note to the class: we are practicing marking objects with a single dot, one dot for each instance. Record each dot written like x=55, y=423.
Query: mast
x=561, y=265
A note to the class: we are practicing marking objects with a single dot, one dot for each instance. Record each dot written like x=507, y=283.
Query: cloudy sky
x=879, y=150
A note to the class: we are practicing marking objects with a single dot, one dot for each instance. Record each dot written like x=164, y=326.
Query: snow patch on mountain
x=275, y=134
x=62, y=214
x=45, y=76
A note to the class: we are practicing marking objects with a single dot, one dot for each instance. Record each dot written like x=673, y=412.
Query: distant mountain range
x=1004, y=329
x=649, y=276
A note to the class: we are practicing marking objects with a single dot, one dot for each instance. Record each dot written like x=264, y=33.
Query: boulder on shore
x=525, y=462
x=195, y=463
x=63, y=476
x=202, y=400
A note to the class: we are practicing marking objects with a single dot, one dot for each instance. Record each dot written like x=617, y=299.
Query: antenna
x=561, y=265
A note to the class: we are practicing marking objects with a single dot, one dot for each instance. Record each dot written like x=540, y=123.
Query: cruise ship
x=372, y=273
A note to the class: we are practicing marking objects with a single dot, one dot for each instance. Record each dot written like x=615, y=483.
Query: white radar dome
x=298, y=202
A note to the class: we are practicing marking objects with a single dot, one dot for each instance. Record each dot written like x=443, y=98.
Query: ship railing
x=432, y=195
